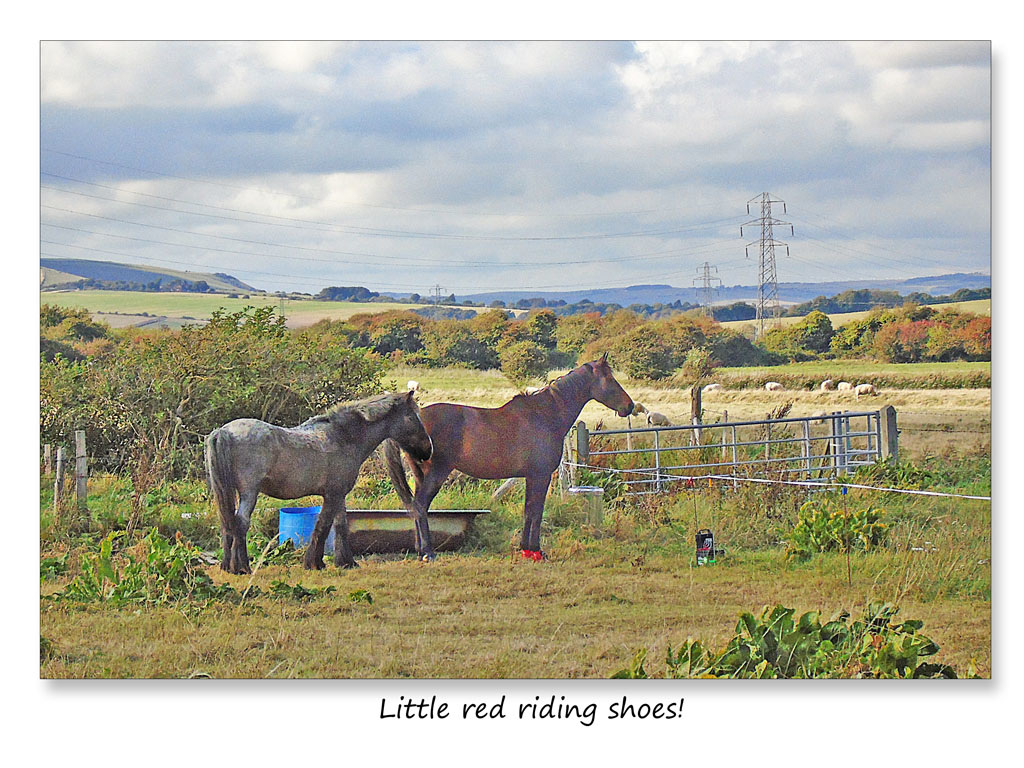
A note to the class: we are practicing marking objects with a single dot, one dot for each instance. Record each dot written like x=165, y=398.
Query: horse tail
x=219, y=476
x=396, y=470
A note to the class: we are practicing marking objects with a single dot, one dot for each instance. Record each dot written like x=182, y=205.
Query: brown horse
x=522, y=438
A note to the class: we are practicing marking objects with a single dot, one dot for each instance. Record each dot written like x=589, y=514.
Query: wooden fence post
x=47, y=461
x=81, y=470
x=890, y=434
x=582, y=452
x=505, y=487
x=58, y=482
x=582, y=442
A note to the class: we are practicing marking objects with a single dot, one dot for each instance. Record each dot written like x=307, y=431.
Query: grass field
x=200, y=306
x=484, y=613
x=629, y=583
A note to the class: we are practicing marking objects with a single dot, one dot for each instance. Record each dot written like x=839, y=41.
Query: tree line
x=152, y=395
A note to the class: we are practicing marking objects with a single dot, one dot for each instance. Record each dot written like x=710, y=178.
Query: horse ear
x=411, y=395
x=604, y=359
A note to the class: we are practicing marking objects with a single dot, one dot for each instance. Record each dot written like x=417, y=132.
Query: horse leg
x=227, y=542
x=426, y=490
x=239, y=551
x=314, y=559
x=533, y=512
x=342, y=549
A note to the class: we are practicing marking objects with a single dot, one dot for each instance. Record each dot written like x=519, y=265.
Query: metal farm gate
x=650, y=459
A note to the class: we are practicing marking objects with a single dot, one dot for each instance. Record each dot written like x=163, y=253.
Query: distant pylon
x=706, y=289
x=767, y=282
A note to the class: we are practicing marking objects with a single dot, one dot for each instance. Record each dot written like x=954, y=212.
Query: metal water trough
x=378, y=531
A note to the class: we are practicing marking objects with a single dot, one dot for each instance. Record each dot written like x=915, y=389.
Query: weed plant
x=775, y=645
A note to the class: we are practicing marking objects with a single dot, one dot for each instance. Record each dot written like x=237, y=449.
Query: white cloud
x=523, y=140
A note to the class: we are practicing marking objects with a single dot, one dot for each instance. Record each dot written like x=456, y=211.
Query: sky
x=476, y=167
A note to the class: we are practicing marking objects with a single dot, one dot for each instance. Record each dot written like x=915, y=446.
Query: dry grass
x=603, y=594
x=581, y=615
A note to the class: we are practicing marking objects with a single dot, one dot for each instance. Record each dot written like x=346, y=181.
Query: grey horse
x=321, y=456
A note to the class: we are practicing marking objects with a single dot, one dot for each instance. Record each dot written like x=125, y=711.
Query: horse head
x=606, y=390
x=409, y=431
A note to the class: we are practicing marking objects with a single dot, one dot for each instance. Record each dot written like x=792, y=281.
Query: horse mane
x=571, y=383
x=369, y=410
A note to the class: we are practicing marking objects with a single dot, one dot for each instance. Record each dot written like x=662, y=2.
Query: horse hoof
x=428, y=558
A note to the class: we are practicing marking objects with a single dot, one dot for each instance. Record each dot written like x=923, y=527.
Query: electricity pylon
x=767, y=282
x=706, y=289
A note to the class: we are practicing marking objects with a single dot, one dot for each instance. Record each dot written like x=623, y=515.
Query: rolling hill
x=788, y=292
x=55, y=272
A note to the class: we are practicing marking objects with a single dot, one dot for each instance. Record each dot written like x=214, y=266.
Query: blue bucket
x=297, y=523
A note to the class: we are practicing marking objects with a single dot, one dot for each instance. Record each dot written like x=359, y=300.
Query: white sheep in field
x=413, y=385
x=827, y=385
x=844, y=386
x=773, y=386
x=711, y=388
x=864, y=389
x=655, y=419
x=533, y=390
x=639, y=408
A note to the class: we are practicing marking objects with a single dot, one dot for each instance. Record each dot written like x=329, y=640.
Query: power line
x=390, y=260
x=390, y=285
x=319, y=226
x=519, y=214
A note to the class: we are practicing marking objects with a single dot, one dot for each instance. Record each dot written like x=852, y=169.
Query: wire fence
x=811, y=448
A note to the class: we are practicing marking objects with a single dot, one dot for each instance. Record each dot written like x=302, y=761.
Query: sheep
x=864, y=389
x=844, y=386
x=413, y=385
x=655, y=419
x=533, y=390
x=773, y=386
x=711, y=388
x=827, y=385
x=639, y=408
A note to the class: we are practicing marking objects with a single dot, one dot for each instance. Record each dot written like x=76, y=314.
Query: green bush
x=776, y=646
x=523, y=360
x=823, y=527
x=643, y=353
x=167, y=572
x=153, y=400
x=805, y=340
x=453, y=343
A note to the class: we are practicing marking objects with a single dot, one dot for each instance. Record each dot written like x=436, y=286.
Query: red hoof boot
x=537, y=555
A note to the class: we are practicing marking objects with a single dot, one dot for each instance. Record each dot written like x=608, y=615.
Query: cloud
x=433, y=155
